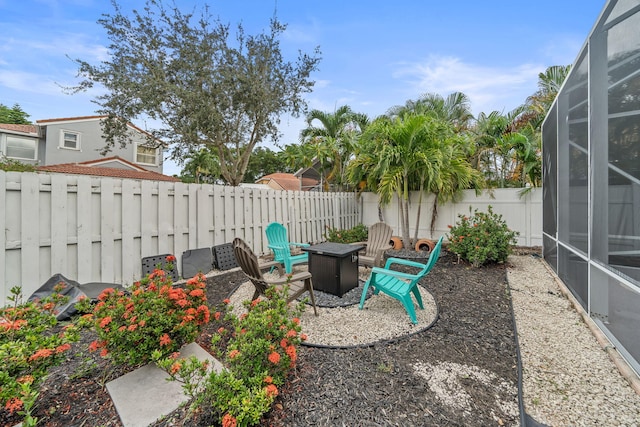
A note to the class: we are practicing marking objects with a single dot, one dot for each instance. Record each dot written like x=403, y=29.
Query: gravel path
x=568, y=378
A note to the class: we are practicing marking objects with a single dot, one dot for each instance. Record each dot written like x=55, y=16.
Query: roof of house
x=285, y=181
x=92, y=167
x=28, y=129
x=87, y=118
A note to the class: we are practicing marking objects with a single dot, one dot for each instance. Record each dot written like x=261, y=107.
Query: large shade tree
x=202, y=85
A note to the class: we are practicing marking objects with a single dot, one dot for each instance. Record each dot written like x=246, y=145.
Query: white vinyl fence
x=522, y=214
x=96, y=229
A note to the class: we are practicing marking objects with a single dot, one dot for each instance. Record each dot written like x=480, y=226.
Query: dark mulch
x=374, y=386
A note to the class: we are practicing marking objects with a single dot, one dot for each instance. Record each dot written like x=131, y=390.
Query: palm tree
x=455, y=109
x=201, y=166
x=329, y=138
x=412, y=152
x=549, y=84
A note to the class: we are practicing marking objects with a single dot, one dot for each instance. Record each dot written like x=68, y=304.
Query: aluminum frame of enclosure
x=591, y=178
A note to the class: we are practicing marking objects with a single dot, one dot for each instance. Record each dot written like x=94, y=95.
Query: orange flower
x=122, y=328
x=94, y=346
x=229, y=421
x=291, y=334
x=43, y=353
x=175, y=367
x=272, y=390
x=142, y=323
x=203, y=312
x=284, y=343
x=14, y=404
x=296, y=320
x=104, y=352
x=255, y=302
x=170, y=258
x=48, y=306
x=62, y=348
x=133, y=327
x=233, y=354
x=217, y=315
x=291, y=352
x=165, y=340
x=226, y=301
x=105, y=294
x=274, y=357
x=196, y=293
x=104, y=322
x=221, y=330
x=268, y=379
x=303, y=337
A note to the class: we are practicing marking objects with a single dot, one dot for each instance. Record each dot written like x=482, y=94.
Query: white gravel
x=384, y=317
x=568, y=378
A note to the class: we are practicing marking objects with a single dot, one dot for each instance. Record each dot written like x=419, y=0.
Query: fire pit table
x=334, y=266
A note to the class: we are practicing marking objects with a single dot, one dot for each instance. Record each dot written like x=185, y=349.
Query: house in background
x=111, y=166
x=76, y=140
x=287, y=182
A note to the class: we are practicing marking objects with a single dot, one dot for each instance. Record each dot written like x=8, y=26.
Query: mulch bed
x=372, y=386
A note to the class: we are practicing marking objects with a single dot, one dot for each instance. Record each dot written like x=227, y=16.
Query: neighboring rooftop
x=122, y=169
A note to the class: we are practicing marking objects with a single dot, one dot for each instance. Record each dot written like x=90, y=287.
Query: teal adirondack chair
x=281, y=246
x=400, y=285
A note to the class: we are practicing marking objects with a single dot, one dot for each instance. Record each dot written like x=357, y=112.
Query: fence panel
x=93, y=229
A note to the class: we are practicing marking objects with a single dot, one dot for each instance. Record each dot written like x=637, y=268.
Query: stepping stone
x=144, y=395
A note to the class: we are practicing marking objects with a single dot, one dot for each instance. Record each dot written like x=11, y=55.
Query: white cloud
x=489, y=88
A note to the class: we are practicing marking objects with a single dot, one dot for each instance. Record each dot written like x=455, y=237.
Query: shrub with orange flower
x=28, y=348
x=258, y=356
x=152, y=315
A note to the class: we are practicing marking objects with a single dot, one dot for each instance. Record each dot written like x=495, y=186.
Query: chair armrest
x=287, y=278
x=401, y=261
x=304, y=245
x=358, y=243
x=398, y=274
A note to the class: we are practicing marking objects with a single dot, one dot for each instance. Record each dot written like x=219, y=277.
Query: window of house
x=69, y=140
x=146, y=155
x=21, y=148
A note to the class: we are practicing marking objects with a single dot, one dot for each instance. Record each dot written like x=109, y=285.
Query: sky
x=374, y=54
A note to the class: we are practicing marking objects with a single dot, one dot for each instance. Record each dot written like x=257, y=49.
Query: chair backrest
x=278, y=240
x=433, y=257
x=248, y=262
x=379, y=237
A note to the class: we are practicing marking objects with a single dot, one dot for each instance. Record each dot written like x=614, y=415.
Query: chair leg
x=309, y=286
x=364, y=293
x=416, y=293
x=408, y=305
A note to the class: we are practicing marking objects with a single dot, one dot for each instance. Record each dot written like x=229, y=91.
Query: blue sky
x=375, y=54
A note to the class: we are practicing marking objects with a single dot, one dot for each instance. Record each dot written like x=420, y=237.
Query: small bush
x=482, y=238
x=258, y=351
x=10, y=165
x=29, y=346
x=154, y=315
x=356, y=234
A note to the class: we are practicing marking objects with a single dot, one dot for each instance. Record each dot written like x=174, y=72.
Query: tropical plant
x=329, y=139
x=30, y=344
x=481, y=238
x=549, y=84
x=201, y=167
x=202, y=88
x=455, y=109
x=413, y=152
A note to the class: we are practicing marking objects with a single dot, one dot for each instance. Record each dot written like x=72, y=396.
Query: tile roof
x=286, y=181
x=31, y=129
x=86, y=168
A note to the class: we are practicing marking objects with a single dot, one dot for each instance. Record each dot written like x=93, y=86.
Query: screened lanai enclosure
x=591, y=178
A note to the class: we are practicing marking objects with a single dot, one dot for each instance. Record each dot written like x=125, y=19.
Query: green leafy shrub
x=258, y=350
x=356, y=234
x=482, y=238
x=30, y=344
x=10, y=165
x=153, y=315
